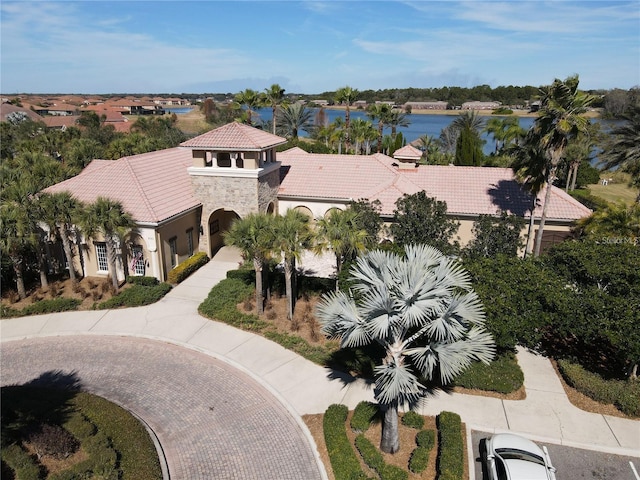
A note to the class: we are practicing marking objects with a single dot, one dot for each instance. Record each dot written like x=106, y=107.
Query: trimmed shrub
x=413, y=420
x=451, y=447
x=246, y=275
x=144, y=281
x=419, y=460
x=136, y=296
x=53, y=441
x=221, y=304
x=363, y=415
x=20, y=462
x=374, y=459
x=343, y=459
x=186, y=268
x=625, y=395
x=51, y=306
x=503, y=375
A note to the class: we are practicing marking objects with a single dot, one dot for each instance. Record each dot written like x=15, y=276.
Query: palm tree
x=292, y=237
x=251, y=100
x=615, y=220
x=61, y=211
x=379, y=112
x=339, y=232
x=559, y=119
x=273, y=97
x=107, y=217
x=363, y=133
x=347, y=95
x=623, y=150
x=422, y=310
x=397, y=118
x=15, y=237
x=293, y=118
x=254, y=236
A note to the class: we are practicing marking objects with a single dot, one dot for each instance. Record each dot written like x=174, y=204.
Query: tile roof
x=466, y=190
x=152, y=187
x=408, y=152
x=7, y=109
x=235, y=136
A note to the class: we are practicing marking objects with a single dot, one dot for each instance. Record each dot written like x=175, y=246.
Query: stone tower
x=234, y=173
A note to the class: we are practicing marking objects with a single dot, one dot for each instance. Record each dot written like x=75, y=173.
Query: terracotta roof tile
x=152, y=187
x=235, y=136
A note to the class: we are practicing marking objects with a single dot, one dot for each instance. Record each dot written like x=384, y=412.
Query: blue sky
x=311, y=47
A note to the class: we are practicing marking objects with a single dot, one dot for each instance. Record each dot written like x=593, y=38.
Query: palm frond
x=340, y=319
x=457, y=356
x=397, y=383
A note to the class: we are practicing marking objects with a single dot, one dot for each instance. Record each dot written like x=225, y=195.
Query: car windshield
x=515, y=454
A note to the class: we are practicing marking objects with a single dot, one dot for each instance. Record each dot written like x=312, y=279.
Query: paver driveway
x=212, y=420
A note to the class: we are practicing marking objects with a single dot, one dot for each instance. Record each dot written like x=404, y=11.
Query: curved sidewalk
x=546, y=414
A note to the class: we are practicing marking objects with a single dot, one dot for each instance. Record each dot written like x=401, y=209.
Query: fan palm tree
x=254, y=236
x=422, y=310
x=61, y=211
x=347, y=95
x=339, y=232
x=293, y=118
x=251, y=100
x=15, y=236
x=292, y=237
x=363, y=132
x=381, y=113
x=560, y=119
x=107, y=216
x=624, y=149
x=273, y=97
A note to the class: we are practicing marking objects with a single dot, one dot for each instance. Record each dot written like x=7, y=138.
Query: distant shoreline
x=487, y=113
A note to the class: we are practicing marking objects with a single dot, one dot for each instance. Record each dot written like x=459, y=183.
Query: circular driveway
x=212, y=420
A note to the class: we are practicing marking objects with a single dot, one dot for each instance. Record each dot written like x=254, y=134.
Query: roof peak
x=235, y=136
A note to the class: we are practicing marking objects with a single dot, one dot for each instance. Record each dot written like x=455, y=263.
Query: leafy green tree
x=293, y=236
x=623, y=149
x=61, y=211
x=274, y=97
x=339, y=232
x=496, y=235
x=107, y=217
x=469, y=149
x=559, y=120
x=422, y=310
x=422, y=219
x=293, y=118
x=368, y=219
x=254, y=236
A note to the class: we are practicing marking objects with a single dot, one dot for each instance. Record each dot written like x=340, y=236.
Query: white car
x=510, y=457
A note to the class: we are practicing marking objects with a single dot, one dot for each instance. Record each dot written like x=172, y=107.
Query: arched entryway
x=218, y=223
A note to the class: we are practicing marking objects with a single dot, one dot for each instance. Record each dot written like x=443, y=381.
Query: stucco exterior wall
x=179, y=229
x=318, y=209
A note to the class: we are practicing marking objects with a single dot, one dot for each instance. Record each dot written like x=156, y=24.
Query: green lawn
x=616, y=190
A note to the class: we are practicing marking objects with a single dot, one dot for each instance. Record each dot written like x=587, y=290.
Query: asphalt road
x=573, y=463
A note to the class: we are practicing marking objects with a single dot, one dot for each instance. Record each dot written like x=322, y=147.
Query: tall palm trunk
x=273, y=120
x=43, y=264
x=390, y=440
x=289, y=287
x=111, y=261
x=258, y=267
x=543, y=217
x=527, y=249
x=66, y=246
x=18, y=270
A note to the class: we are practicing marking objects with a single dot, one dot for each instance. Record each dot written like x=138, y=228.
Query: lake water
x=420, y=124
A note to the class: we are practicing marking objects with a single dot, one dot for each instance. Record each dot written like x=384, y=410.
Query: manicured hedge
x=221, y=304
x=451, y=447
x=344, y=461
x=419, y=460
x=413, y=420
x=625, y=395
x=136, y=296
x=363, y=415
x=503, y=375
x=51, y=306
x=186, y=268
x=374, y=459
x=144, y=281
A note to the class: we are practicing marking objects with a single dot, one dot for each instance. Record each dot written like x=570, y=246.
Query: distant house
x=427, y=105
x=183, y=199
x=480, y=105
x=7, y=109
